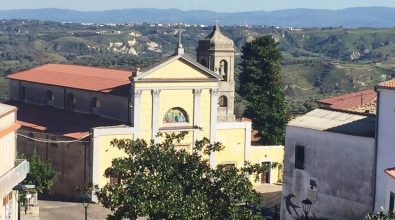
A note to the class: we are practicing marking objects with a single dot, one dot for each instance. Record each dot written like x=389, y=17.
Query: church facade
x=179, y=94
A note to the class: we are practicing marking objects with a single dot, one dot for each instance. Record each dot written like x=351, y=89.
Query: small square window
x=299, y=157
x=229, y=166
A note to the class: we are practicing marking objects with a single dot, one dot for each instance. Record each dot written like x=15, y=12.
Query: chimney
x=136, y=72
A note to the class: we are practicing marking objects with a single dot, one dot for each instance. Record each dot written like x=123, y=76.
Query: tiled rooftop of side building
x=59, y=122
x=387, y=84
x=390, y=172
x=96, y=79
x=336, y=122
x=362, y=101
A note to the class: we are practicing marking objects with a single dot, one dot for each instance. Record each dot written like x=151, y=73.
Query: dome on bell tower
x=216, y=41
x=217, y=53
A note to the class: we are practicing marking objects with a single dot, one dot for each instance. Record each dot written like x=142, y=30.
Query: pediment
x=178, y=68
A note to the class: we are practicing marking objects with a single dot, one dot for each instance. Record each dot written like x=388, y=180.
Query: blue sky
x=212, y=5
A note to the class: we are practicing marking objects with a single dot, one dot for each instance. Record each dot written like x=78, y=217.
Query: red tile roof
x=390, y=172
x=387, y=85
x=350, y=101
x=75, y=76
x=55, y=121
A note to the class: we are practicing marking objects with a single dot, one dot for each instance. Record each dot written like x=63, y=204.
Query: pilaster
x=213, y=123
x=196, y=113
x=137, y=112
x=155, y=113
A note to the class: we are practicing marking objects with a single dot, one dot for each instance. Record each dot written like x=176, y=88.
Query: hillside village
x=317, y=62
x=337, y=159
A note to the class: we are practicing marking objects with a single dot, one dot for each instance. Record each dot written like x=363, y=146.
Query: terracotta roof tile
x=390, y=172
x=350, y=101
x=75, y=76
x=55, y=121
x=387, y=85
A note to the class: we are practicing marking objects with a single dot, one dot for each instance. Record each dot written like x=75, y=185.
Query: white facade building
x=329, y=159
x=385, y=182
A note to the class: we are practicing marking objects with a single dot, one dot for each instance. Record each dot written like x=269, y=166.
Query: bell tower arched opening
x=218, y=53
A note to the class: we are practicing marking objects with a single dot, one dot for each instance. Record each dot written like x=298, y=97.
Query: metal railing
x=13, y=176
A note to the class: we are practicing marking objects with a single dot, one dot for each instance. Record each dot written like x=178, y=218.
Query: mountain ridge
x=379, y=17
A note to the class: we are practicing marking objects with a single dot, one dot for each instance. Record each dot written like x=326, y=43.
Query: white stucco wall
x=342, y=167
x=389, y=188
x=385, y=145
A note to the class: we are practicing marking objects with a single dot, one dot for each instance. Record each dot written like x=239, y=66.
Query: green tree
x=159, y=181
x=41, y=174
x=261, y=87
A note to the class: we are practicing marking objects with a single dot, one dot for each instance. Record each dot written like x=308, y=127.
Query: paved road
x=54, y=210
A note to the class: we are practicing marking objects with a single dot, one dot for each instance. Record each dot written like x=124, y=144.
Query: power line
x=54, y=141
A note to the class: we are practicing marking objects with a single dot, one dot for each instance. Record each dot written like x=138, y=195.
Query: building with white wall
x=385, y=163
x=329, y=159
x=12, y=171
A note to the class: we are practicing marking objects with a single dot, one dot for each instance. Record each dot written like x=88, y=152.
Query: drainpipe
x=64, y=98
x=376, y=147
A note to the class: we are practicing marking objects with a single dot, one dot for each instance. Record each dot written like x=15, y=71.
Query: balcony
x=13, y=176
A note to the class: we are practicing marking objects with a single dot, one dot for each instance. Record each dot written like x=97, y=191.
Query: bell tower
x=216, y=52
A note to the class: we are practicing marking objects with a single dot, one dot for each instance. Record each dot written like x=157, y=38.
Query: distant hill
x=352, y=17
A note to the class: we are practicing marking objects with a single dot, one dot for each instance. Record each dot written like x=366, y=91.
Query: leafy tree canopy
x=160, y=181
x=381, y=216
x=41, y=174
x=260, y=85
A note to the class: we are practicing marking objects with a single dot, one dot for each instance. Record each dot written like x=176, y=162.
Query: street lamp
x=86, y=205
x=306, y=205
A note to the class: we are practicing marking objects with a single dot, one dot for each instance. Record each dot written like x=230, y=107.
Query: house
x=340, y=157
x=330, y=160
x=71, y=113
x=385, y=154
x=361, y=101
x=12, y=170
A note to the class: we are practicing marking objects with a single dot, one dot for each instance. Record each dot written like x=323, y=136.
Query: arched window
x=70, y=99
x=49, y=96
x=95, y=103
x=22, y=93
x=223, y=69
x=223, y=101
x=203, y=62
x=175, y=115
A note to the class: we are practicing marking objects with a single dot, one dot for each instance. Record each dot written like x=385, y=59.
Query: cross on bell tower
x=180, y=49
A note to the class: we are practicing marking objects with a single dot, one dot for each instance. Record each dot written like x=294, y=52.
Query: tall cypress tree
x=261, y=87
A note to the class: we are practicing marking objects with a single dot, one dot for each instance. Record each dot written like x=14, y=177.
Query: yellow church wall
x=205, y=113
x=234, y=142
x=146, y=110
x=177, y=70
x=186, y=143
x=108, y=153
x=272, y=154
